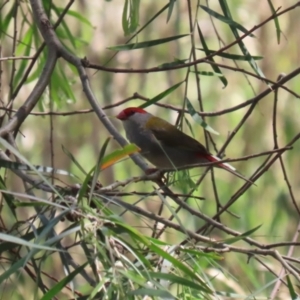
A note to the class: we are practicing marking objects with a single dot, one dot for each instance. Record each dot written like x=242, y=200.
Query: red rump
x=212, y=158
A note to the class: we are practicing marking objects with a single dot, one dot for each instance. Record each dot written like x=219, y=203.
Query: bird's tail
x=227, y=167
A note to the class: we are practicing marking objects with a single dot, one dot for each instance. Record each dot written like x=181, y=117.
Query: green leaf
x=96, y=170
x=276, y=21
x=206, y=50
x=161, y=95
x=147, y=43
x=66, y=85
x=6, y=21
x=132, y=231
x=226, y=20
x=9, y=246
x=183, y=181
x=240, y=237
x=232, y=56
x=63, y=29
x=181, y=266
x=175, y=279
x=39, y=65
x=24, y=48
x=9, y=199
x=207, y=73
x=175, y=63
x=198, y=118
x=18, y=241
x=170, y=10
x=152, y=292
x=116, y=155
x=130, y=16
x=71, y=156
x=52, y=293
x=76, y=15
x=226, y=11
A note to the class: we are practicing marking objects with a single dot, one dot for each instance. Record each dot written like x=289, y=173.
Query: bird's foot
x=154, y=173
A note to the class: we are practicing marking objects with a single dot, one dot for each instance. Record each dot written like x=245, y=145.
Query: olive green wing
x=168, y=135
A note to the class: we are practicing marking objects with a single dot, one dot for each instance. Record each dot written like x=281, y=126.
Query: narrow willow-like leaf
x=9, y=199
x=130, y=16
x=61, y=90
x=276, y=21
x=198, y=118
x=240, y=237
x=187, y=272
x=175, y=279
x=161, y=95
x=71, y=156
x=96, y=170
x=226, y=20
x=206, y=50
x=18, y=241
x=147, y=43
x=176, y=62
x=161, y=294
x=76, y=15
x=124, y=17
x=35, y=74
x=207, y=73
x=226, y=11
x=291, y=288
x=52, y=293
x=199, y=254
x=24, y=48
x=66, y=88
x=9, y=246
x=64, y=28
x=170, y=10
x=232, y=56
x=134, y=233
x=115, y=156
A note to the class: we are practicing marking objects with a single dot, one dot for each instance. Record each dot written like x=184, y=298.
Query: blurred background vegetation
x=88, y=29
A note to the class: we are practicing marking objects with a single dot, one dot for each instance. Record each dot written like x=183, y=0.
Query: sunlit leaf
x=71, y=156
x=52, y=293
x=130, y=16
x=198, y=118
x=207, y=73
x=147, y=43
x=18, y=241
x=176, y=62
x=76, y=15
x=242, y=236
x=24, y=49
x=276, y=21
x=161, y=95
x=206, y=50
x=170, y=10
x=115, y=156
x=225, y=20
x=226, y=11
x=291, y=288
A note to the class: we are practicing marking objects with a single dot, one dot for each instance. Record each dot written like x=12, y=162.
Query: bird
x=164, y=145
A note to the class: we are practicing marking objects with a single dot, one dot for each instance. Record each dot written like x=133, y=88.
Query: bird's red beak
x=121, y=115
